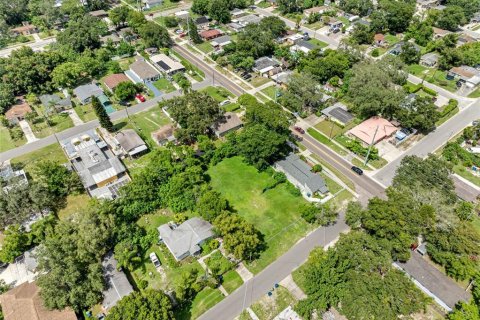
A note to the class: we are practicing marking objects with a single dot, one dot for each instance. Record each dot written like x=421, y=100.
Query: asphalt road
x=36, y=46
x=210, y=72
x=255, y=288
x=432, y=141
x=314, y=34
x=364, y=186
x=122, y=114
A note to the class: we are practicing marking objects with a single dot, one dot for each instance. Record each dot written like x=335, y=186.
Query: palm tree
x=127, y=255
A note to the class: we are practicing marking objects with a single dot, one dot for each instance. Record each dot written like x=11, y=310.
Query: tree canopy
x=149, y=305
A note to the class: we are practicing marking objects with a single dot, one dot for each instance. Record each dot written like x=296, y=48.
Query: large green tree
x=420, y=114
x=451, y=18
x=302, y=93
x=82, y=32
x=102, y=114
x=195, y=112
x=69, y=261
x=154, y=35
x=148, y=305
x=372, y=91
x=239, y=237
x=59, y=181
x=219, y=10
x=360, y=285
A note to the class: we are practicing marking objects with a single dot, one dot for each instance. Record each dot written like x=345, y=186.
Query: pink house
x=365, y=131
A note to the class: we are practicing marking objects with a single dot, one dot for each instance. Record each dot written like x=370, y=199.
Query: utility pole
x=331, y=130
x=188, y=30
x=370, y=147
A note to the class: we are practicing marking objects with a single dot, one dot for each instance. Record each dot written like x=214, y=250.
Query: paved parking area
x=388, y=151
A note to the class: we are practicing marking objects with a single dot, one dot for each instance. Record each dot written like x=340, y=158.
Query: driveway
x=74, y=116
x=27, y=131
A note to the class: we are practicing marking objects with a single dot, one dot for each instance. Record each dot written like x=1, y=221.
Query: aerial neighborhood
x=240, y=159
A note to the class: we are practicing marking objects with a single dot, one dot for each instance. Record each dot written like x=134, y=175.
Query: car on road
x=155, y=261
x=224, y=103
x=357, y=170
x=140, y=98
x=298, y=129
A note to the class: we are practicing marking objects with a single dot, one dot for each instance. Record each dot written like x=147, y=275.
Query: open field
x=268, y=307
x=29, y=160
x=7, y=143
x=274, y=212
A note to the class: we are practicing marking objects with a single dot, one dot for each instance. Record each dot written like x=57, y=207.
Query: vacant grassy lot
x=6, y=142
x=318, y=43
x=52, y=152
x=231, y=281
x=329, y=128
x=204, y=300
x=465, y=173
x=435, y=76
x=258, y=81
x=59, y=123
x=275, y=212
x=205, y=47
x=164, y=85
x=75, y=204
x=326, y=141
x=85, y=112
x=218, y=93
x=268, y=308
x=270, y=92
x=144, y=123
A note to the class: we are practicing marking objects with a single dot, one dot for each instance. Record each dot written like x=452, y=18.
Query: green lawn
x=318, y=43
x=231, y=281
x=204, y=300
x=465, y=173
x=275, y=213
x=447, y=116
x=268, y=308
x=194, y=71
x=75, y=204
x=345, y=21
x=333, y=187
x=475, y=94
x=51, y=152
x=324, y=140
x=144, y=123
x=205, y=47
x=270, y=91
x=166, y=5
x=435, y=76
x=337, y=173
x=391, y=39
x=258, y=81
x=329, y=128
x=164, y=85
x=60, y=122
x=6, y=142
x=342, y=199
x=218, y=93
x=315, y=26
x=85, y=112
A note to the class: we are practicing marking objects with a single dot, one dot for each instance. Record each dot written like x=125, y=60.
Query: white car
x=224, y=103
x=155, y=261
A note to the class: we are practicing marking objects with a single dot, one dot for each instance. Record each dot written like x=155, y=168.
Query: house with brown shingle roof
x=439, y=33
x=25, y=30
x=113, y=80
x=24, y=302
x=18, y=111
x=379, y=40
x=210, y=34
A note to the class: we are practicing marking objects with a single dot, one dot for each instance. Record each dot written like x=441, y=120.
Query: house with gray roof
x=142, y=71
x=220, y=42
x=130, y=143
x=429, y=60
x=185, y=240
x=228, y=123
x=300, y=175
x=338, y=113
x=53, y=102
x=264, y=65
x=302, y=45
x=84, y=93
x=100, y=171
x=11, y=178
x=117, y=285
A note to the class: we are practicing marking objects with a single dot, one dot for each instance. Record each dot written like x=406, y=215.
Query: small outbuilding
x=429, y=60
x=164, y=135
